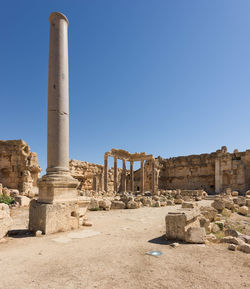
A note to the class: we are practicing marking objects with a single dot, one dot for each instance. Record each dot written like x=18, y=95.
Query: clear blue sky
x=166, y=77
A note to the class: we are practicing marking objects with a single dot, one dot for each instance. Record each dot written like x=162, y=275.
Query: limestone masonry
x=213, y=172
x=19, y=167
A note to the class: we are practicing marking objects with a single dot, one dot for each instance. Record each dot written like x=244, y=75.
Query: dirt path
x=111, y=254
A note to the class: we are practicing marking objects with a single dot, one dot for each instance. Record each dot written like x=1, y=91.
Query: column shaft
x=142, y=176
x=58, y=97
x=115, y=174
x=123, y=175
x=132, y=176
x=105, y=173
x=153, y=176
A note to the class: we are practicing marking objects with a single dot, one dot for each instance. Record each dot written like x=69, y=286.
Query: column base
x=58, y=207
x=57, y=188
x=52, y=218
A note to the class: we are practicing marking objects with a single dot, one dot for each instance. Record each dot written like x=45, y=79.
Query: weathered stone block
x=52, y=218
x=243, y=210
x=5, y=220
x=118, y=205
x=22, y=201
x=195, y=235
x=188, y=205
x=177, y=223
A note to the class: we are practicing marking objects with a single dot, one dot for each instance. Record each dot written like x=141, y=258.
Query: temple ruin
x=19, y=167
x=126, y=156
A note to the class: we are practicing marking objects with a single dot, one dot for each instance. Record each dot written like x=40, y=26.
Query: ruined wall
x=90, y=176
x=19, y=167
x=212, y=172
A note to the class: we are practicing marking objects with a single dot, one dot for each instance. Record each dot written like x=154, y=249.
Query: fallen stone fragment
x=195, y=235
x=243, y=210
x=87, y=224
x=178, y=222
x=39, y=233
x=118, y=205
x=188, y=205
x=5, y=220
x=232, y=240
x=231, y=232
x=211, y=238
x=23, y=201
x=232, y=247
x=219, y=205
x=175, y=245
x=244, y=248
x=105, y=204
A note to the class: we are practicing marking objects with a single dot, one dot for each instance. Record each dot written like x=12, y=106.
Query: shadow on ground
x=163, y=241
x=20, y=234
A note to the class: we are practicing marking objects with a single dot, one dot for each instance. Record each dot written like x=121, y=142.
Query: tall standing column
x=105, y=173
x=57, y=208
x=132, y=176
x=153, y=176
x=58, y=97
x=142, y=176
x=115, y=174
x=124, y=175
x=58, y=185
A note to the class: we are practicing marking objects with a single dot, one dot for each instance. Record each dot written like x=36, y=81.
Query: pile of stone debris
x=135, y=201
x=191, y=224
x=20, y=199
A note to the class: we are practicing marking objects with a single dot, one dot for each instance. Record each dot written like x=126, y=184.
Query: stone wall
x=19, y=167
x=90, y=176
x=211, y=172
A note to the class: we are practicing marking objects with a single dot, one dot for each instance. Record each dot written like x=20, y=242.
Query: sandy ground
x=111, y=254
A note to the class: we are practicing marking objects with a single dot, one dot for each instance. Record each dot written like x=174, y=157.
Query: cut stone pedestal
x=57, y=209
x=52, y=218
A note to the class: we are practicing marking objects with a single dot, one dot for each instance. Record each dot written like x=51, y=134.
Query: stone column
x=58, y=185
x=57, y=206
x=217, y=176
x=153, y=176
x=132, y=176
x=105, y=173
x=115, y=174
x=58, y=97
x=124, y=175
x=142, y=176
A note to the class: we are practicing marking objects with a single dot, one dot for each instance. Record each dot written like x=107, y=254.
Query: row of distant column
x=124, y=173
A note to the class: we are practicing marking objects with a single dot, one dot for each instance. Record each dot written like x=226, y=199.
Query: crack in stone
x=59, y=112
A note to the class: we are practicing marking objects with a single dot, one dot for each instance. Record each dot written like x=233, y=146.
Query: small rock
x=219, y=205
x=118, y=205
x=226, y=212
x=211, y=238
x=23, y=201
x=132, y=205
x=231, y=232
x=232, y=240
x=178, y=201
x=235, y=194
x=39, y=233
x=243, y=210
x=215, y=228
x=175, y=245
x=244, y=248
x=87, y=224
x=232, y=247
x=188, y=205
